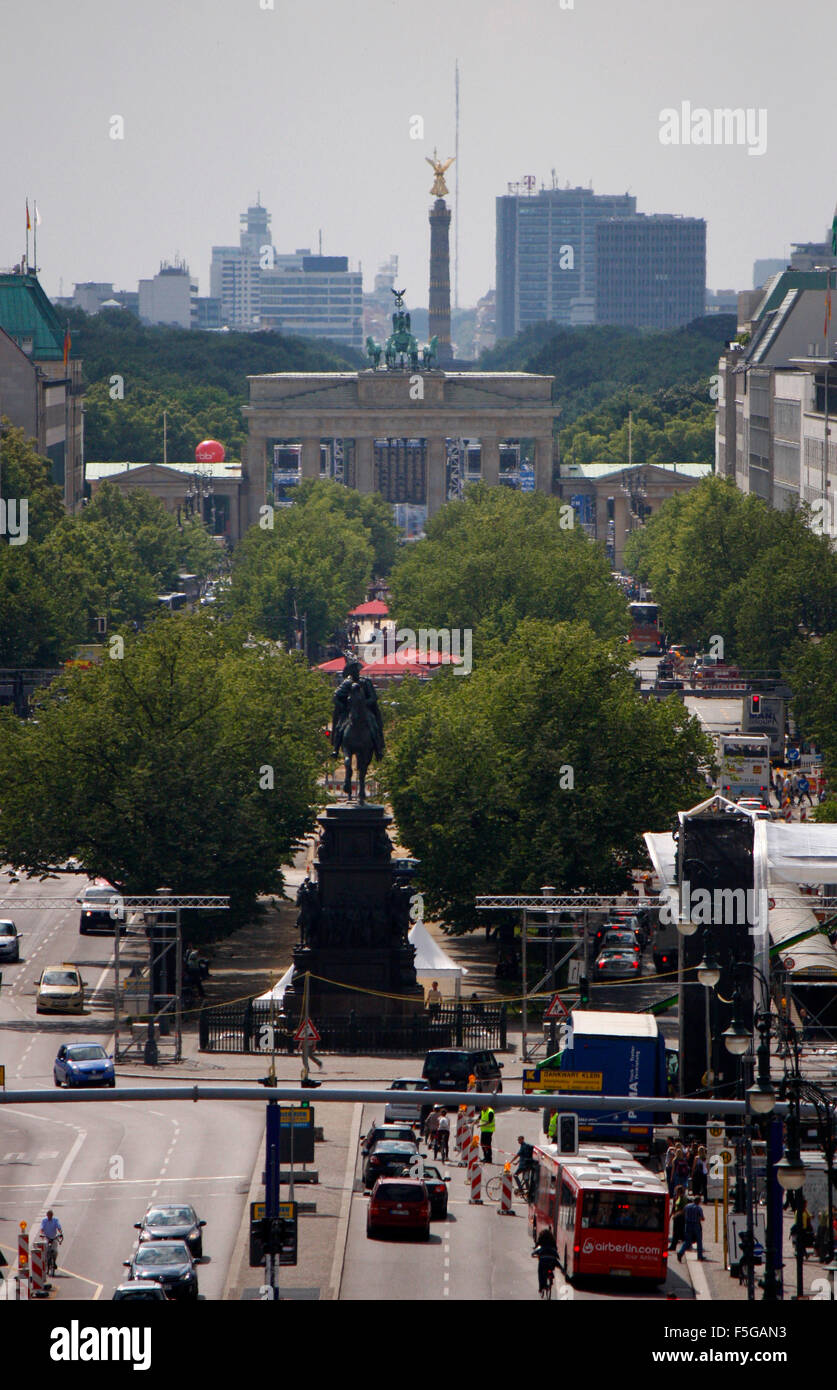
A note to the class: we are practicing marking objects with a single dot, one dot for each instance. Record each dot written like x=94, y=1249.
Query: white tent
x=432, y=963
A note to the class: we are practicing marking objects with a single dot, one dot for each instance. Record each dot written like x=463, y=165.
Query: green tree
x=371, y=510
x=25, y=475
x=498, y=557
x=543, y=765
x=313, y=562
x=190, y=762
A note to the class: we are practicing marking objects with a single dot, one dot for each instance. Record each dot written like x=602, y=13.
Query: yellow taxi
x=60, y=990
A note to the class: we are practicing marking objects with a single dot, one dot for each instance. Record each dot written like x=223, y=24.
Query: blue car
x=83, y=1064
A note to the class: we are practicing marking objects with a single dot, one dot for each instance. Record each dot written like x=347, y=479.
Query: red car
x=399, y=1204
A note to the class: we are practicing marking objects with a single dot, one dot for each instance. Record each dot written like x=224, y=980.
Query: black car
x=173, y=1221
x=436, y=1184
x=448, y=1069
x=169, y=1264
x=387, y=1160
x=100, y=910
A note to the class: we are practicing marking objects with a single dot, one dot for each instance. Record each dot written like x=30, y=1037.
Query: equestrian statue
x=356, y=726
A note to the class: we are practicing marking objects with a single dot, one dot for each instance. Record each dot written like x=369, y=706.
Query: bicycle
x=520, y=1187
x=52, y=1254
x=550, y=1284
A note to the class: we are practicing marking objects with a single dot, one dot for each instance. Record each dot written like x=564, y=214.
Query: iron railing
x=256, y=1027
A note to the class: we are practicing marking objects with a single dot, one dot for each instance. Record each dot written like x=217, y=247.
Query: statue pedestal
x=355, y=926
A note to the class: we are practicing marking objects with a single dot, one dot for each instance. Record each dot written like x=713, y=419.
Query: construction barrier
x=23, y=1249
x=505, y=1207
x=462, y=1135
x=37, y=1270
x=475, y=1174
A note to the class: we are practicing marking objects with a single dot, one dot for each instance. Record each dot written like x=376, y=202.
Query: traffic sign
x=803, y=784
x=725, y=1156
x=788, y=962
x=556, y=1008
x=793, y=755
x=306, y=1032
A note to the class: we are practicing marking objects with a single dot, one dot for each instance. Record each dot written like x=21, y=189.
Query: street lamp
x=709, y=971
x=737, y=1038
x=790, y=1170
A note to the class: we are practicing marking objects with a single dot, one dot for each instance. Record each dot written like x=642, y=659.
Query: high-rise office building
x=650, y=271
x=313, y=297
x=546, y=255
x=235, y=274
x=169, y=297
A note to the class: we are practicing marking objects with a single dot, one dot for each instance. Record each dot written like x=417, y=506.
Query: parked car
x=617, y=962
x=169, y=1264
x=83, y=1064
x=387, y=1159
x=60, y=990
x=172, y=1221
x=9, y=941
x=756, y=807
x=139, y=1291
x=402, y=1106
x=394, y=1131
x=448, y=1069
x=399, y=1204
x=437, y=1190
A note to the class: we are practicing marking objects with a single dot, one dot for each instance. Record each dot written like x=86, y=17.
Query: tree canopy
x=543, y=766
x=498, y=557
x=190, y=762
x=723, y=564
x=370, y=509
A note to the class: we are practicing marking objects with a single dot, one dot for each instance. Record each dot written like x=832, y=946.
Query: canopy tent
x=373, y=609
x=432, y=963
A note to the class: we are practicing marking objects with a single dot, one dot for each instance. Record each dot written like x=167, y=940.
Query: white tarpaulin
x=432, y=963
x=801, y=853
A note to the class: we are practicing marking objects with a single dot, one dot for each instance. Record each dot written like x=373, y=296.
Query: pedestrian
x=693, y=1229
x=801, y=1231
x=487, y=1125
x=794, y=781
x=678, y=1218
x=667, y=1162
x=431, y=1124
x=434, y=1000
x=680, y=1172
x=442, y=1137
x=700, y=1175
x=786, y=791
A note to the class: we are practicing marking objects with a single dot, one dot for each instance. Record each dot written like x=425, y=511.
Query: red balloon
x=210, y=451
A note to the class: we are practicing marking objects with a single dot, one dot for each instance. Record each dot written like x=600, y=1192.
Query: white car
x=403, y=1108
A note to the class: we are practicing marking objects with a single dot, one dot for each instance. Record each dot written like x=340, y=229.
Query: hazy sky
x=311, y=103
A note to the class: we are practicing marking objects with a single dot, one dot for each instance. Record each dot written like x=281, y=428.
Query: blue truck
x=609, y=1054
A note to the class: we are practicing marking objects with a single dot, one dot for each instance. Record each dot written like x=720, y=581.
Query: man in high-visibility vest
x=552, y=1129
x=487, y=1127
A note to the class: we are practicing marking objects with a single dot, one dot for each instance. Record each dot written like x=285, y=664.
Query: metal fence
x=250, y=1028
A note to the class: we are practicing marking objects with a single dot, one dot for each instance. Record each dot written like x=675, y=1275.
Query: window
x=623, y=1211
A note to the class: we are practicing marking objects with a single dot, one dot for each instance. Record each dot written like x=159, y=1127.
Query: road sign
x=279, y=1239
x=793, y=755
x=553, y=1079
x=556, y=1008
x=725, y=1156
x=788, y=962
x=716, y=1131
x=306, y=1032
x=803, y=784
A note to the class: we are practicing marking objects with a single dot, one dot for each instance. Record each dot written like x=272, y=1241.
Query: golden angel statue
x=439, y=188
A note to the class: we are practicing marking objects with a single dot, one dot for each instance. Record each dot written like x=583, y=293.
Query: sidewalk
x=711, y=1281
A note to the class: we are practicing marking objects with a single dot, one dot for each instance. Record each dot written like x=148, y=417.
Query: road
x=475, y=1254
x=99, y=1167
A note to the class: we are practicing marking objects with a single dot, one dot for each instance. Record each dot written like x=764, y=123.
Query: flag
x=37, y=215
x=28, y=221
x=67, y=344
x=834, y=236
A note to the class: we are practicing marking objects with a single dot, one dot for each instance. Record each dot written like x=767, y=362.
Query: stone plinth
x=354, y=923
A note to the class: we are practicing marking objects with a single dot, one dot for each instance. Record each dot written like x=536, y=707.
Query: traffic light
x=583, y=992
x=566, y=1134
x=755, y=704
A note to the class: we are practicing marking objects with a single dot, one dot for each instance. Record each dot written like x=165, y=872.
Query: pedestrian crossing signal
x=566, y=1134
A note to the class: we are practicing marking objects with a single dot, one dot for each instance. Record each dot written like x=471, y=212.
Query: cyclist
x=441, y=1138
x=546, y=1253
x=525, y=1165
x=52, y=1234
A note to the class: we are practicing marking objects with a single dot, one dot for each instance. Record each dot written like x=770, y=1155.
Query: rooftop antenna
x=456, y=202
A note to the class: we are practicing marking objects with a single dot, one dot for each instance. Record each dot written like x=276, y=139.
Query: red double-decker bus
x=608, y=1213
x=645, y=632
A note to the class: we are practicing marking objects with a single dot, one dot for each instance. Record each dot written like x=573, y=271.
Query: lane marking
x=65, y=1168
x=123, y=1182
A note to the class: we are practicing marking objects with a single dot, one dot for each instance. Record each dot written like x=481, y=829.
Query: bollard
x=37, y=1270
x=505, y=1208
x=475, y=1175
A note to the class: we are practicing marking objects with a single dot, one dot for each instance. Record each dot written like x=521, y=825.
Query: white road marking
x=65, y=1168
x=123, y=1182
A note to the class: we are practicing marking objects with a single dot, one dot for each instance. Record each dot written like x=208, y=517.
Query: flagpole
x=27, y=236
x=35, y=238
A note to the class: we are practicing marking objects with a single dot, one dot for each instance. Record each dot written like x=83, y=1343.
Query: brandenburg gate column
x=490, y=459
x=436, y=493
x=364, y=463
x=255, y=479
x=310, y=462
x=543, y=463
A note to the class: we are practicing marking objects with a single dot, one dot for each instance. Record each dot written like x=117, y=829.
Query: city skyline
x=316, y=112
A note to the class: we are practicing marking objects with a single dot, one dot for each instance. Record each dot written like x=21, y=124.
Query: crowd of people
x=687, y=1178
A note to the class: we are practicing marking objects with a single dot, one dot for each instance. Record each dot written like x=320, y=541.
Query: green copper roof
x=778, y=286
x=26, y=313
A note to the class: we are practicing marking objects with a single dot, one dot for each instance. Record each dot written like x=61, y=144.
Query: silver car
x=9, y=941
x=403, y=1106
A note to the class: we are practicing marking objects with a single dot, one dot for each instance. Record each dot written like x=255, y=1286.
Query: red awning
x=374, y=609
x=336, y=664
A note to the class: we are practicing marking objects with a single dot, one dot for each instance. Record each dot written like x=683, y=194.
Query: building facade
x=313, y=297
x=777, y=395
x=611, y=500
x=169, y=297
x=650, y=271
x=370, y=431
x=216, y=485
x=546, y=255
x=40, y=392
